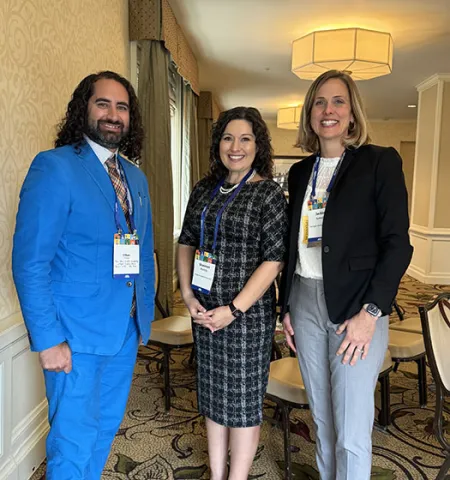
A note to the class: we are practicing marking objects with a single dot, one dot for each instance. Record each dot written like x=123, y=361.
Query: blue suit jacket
x=63, y=253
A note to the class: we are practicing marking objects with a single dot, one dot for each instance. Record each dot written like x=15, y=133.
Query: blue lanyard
x=116, y=207
x=316, y=173
x=219, y=213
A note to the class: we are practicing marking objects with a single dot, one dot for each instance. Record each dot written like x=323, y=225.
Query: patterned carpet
x=154, y=445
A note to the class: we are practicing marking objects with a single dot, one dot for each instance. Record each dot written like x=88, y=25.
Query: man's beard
x=106, y=139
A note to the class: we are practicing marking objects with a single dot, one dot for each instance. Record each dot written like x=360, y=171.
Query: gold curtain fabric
x=144, y=19
x=204, y=144
x=205, y=122
x=153, y=95
x=178, y=47
x=205, y=108
x=190, y=104
x=154, y=20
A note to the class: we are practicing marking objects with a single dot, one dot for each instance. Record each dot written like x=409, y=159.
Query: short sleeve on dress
x=274, y=234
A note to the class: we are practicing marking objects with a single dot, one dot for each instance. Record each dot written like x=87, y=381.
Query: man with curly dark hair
x=84, y=273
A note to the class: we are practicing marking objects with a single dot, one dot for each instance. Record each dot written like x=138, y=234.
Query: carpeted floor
x=154, y=445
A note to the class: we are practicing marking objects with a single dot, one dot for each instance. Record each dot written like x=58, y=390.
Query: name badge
x=315, y=224
x=204, y=270
x=126, y=256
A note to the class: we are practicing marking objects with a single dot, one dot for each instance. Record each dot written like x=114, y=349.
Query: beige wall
x=430, y=223
x=46, y=48
x=390, y=133
x=407, y=152
x=441, y=216
x=387, y=133
x=424, y=157
x=283, y=140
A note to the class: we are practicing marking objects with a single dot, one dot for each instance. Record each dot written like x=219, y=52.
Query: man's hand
x=57, y=358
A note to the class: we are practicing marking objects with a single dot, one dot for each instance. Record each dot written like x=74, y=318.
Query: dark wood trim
x=441, y=391
x=443, y=298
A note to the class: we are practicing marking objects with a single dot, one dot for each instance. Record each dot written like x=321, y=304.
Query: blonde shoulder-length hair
x=357, y=133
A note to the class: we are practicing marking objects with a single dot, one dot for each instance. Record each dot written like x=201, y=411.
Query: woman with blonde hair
x=348, y=250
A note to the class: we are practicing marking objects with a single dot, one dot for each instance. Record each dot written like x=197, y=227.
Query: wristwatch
x=235, y=311
x=372, y=309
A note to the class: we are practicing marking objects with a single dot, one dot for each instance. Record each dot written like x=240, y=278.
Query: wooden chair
x=398, y=309
x=384, y=417
x=435, y=318
x=169, y=333
x=409, y=347
x=287, y=391
x=411, y=325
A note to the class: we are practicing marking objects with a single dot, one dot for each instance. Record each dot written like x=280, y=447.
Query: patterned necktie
x=121, y=193
x=119, y=187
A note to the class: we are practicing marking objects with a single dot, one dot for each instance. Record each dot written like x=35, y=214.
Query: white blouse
x=309, y=260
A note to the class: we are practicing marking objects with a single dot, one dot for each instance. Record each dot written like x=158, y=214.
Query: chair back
x=160, y=308
x=155, y=260
x=435, y=318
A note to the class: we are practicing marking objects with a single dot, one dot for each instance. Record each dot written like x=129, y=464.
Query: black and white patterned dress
x=233, y=363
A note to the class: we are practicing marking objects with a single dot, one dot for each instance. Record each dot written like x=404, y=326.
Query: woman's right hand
x=289, y=332
x=196, y=309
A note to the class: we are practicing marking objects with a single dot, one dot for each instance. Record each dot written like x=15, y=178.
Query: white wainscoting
x=23, y=406
x=431, y=258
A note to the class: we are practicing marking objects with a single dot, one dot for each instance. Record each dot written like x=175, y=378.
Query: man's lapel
x=95, y=169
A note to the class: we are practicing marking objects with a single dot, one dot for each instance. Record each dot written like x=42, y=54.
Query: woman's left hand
x=217, y=318
x=360, y=329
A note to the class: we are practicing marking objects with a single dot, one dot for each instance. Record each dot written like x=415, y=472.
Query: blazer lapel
x=95, y=169
x=302, y=180
x=346, y=162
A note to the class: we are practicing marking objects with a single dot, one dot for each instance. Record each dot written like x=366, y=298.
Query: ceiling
x=243, y=48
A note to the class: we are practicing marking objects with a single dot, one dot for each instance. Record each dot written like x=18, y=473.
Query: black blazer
x=365, y=241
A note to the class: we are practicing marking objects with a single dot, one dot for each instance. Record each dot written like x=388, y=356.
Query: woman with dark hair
x=231, y=249
x=348, y=250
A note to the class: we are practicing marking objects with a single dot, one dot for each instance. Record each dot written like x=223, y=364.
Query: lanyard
x=219, y=213
x=316, y=173
x=116, y=207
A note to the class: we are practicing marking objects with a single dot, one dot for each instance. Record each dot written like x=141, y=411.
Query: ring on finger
x=361, y=350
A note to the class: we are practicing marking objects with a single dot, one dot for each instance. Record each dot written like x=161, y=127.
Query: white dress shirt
x=103, y=153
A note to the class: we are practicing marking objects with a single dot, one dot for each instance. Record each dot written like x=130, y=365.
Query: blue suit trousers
x=86, y=408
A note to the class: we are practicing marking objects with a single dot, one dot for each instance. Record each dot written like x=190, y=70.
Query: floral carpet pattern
x=154, y=445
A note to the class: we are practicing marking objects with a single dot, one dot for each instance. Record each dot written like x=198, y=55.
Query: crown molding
x=433, y=80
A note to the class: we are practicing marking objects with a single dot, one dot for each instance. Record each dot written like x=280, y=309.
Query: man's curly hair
x=74, y=124
x=263, y=162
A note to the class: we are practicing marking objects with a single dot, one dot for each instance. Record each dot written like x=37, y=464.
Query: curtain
x=205, y=121
x=190, y=105
x=153, y=92
x=144, y=19
x=204, y=144
x=155, y=20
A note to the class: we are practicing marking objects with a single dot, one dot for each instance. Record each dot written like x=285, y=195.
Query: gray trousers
x=341, y=397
